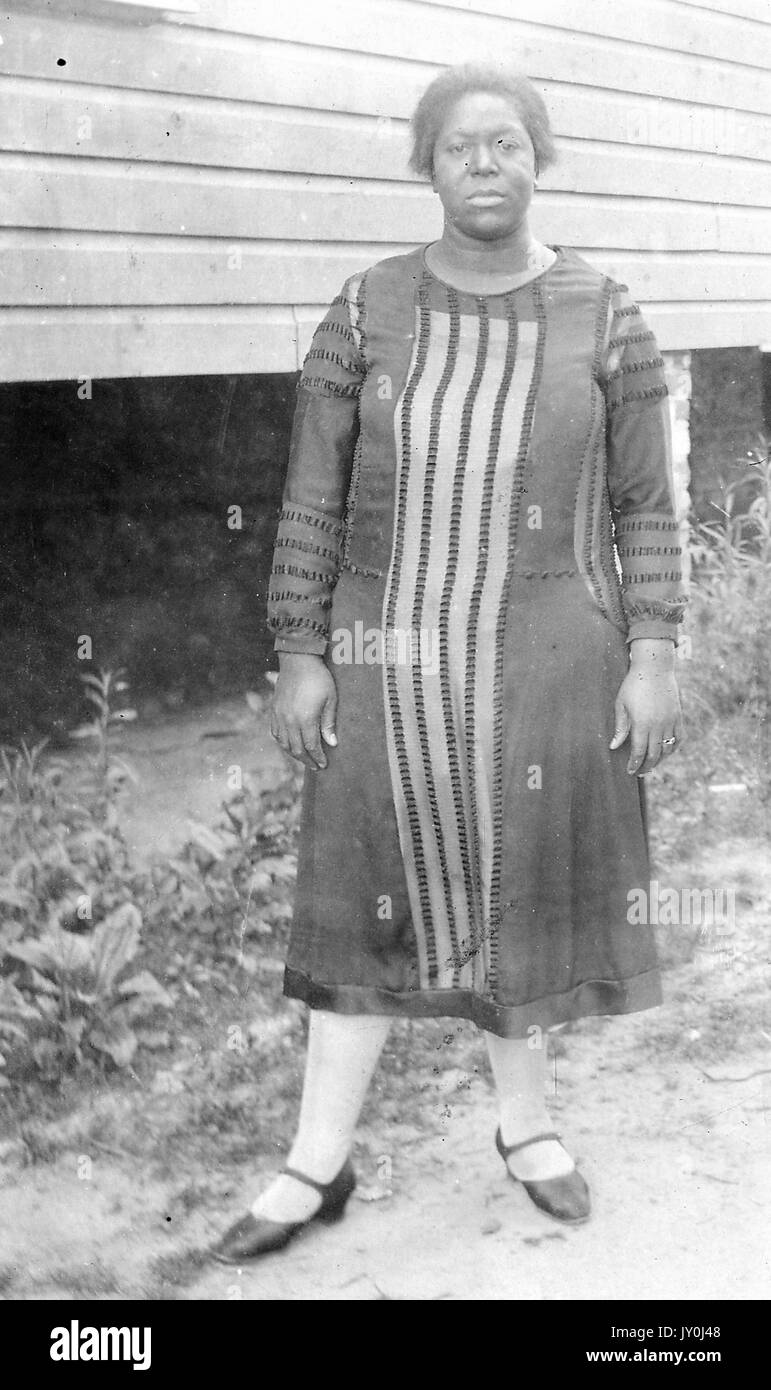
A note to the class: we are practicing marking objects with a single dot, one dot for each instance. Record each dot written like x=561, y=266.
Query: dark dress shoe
x=565, y=1198
x=256, y=1235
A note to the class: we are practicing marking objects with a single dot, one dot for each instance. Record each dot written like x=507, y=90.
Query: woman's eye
x=508, y=144
x=457, y=149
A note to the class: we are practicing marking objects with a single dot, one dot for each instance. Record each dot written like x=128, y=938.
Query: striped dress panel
x=464, y=400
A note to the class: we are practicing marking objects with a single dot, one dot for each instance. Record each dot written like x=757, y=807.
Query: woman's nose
x=483, y=159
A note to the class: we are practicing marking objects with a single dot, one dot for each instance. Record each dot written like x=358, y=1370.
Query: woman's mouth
x=488, y=199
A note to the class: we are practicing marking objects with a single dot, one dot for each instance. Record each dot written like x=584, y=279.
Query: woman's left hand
x=648, y=705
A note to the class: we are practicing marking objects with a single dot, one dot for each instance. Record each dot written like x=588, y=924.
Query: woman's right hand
x=304, y=708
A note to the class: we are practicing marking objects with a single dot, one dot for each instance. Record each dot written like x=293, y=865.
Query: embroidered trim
x=352, y=498
x=330, y=388
x=632, y=523
x=289, y=596
x=648, y=393
x=656, y=611
x=393, y=710
x=535, y=295
x=281, y=622
x=609, y=562
x=359, y=336
x=663, y=578
x=475, y=606
x=361, y=311
x=645, y=364
x=341, y=330
x=334, y=528
x=324, y=355
x=544, y=574
x=628, y=311
x=629, y=553
x=643, y=336
x=468, y=844
x=297, y=572
x=601, y=327
x=307, y=548
x=362, y=569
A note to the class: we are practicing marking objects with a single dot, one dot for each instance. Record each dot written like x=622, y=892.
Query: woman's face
x=484, y=166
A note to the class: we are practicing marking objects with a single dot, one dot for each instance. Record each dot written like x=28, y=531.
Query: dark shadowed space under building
x=120, y=527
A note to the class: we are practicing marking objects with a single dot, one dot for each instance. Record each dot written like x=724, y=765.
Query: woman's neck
x=480, y=267
x=509, y=255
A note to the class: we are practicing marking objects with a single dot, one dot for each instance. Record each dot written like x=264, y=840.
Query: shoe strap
x=321, y=1187
x=536, y=1139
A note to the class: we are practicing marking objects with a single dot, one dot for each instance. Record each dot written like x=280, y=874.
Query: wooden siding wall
x=185, y=196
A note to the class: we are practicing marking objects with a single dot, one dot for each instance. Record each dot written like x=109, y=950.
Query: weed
x=67, y=888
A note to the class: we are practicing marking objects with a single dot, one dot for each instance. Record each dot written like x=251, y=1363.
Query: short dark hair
x=452, y=84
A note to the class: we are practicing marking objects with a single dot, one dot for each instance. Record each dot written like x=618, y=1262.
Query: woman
x=475, y=596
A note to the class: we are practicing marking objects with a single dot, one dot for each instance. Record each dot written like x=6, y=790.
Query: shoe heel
x=330, y=1217
x=335, y=1212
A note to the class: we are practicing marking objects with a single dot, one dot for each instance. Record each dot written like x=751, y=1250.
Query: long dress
x=478, y=517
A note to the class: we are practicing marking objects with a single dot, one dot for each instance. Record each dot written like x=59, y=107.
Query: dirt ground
x=668, y=1114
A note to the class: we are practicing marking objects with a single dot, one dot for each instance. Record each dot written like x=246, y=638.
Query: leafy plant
x=77, y=996
x=110, y=772
x=16, y=1014
x=74, y=982
x=63, y=861
x=234, y=880
x=70, y=926
x=730, y=671
x=31, y=808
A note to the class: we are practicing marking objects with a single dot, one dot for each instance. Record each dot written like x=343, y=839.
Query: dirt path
x=183, y=765
x=678, y=1167
x=673, y=1139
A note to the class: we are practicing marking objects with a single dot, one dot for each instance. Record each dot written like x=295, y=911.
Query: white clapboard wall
x=182, y=191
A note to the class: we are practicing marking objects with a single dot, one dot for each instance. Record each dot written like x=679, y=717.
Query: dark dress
x=478, y=516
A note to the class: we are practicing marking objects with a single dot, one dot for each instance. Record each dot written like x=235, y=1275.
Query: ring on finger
x=668, y=742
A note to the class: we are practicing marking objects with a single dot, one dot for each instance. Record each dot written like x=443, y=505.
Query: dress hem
x=587, y=1000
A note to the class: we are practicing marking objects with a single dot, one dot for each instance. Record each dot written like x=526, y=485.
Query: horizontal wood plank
x=658, y=23
x=236, y=68
x=94, y=195
x=104, y=195
x=226, y=135
x=169, y=271
x=180, y=274
x=401, y=29
x=68, y=344
x=157, y=189
x=216, y=62
x=744, y=9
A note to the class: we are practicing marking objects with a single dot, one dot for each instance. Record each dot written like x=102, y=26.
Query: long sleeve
x=308, y=548
x=639, y=462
